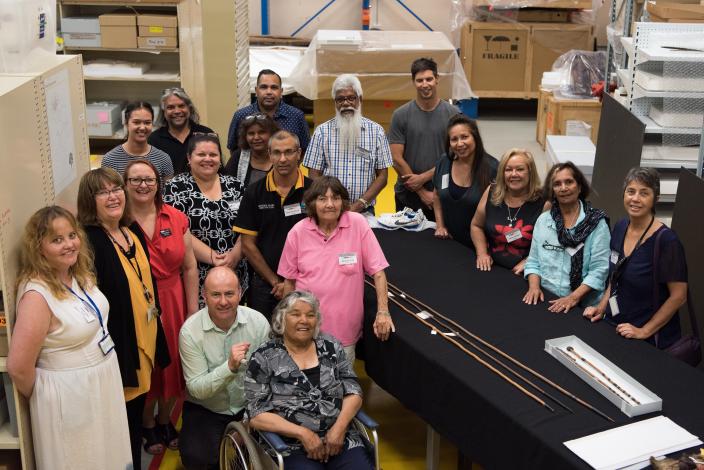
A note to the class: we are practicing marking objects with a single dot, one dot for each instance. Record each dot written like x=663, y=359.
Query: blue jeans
x=356, y=458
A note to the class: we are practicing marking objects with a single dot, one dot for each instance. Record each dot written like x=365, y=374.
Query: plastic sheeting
x=382, y=62
x=27, y=34
x=579, y=70
x=280, y=59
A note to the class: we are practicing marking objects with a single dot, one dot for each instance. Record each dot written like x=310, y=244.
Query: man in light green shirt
x=215, y=344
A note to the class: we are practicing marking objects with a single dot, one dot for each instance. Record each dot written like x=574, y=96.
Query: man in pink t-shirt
x=328, y=254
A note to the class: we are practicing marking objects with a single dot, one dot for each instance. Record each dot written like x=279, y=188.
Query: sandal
x=154, y=444
x=169, y=435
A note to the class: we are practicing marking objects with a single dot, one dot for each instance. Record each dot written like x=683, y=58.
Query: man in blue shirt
x=268, y=93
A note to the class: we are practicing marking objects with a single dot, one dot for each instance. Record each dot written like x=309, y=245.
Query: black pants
x=412, y=200
x=201, y=433
x=260, y=298
x=135, y=409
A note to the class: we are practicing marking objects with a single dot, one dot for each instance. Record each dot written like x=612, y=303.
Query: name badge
x=614, y=257
x=152, y=312
x=613, y=303
x=363, y=153
x=347, y=258
x=234, y=206
x=165, y=233
x=106, y=344
x=292, y=209
x=445, y=182
x=513, y=235
x=573, y=251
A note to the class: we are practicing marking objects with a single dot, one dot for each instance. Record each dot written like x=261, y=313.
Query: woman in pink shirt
x=328, y=253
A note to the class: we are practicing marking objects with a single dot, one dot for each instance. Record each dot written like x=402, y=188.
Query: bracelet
x=364, y=202
x=384, y=313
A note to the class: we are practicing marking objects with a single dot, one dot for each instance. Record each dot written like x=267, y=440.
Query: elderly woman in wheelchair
x=301, y=386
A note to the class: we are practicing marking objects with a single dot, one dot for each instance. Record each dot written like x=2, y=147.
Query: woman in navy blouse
x=648, y=271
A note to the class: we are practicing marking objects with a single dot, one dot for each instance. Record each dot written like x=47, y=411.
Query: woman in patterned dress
x=211, y=201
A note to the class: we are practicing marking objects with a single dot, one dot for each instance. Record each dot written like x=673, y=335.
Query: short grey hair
x=646, y=176
x=347, y=80
x=282, y=135
x=283, y=308
x=182, y=95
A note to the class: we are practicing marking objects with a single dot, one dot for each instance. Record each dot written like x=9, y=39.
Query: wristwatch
x=364, y=202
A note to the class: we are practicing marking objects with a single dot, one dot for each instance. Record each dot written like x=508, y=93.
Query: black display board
x=618, y=149
x=686, y=221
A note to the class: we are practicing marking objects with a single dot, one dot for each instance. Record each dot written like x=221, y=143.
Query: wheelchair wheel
x=237, y=449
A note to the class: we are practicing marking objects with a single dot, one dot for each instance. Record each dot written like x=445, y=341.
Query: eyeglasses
x=352, y=99
x=255, y=117
x=106, y=193
x=137, y=181
x=209, y=134
x=551, y=247
x=176, y=89
x=287, y=152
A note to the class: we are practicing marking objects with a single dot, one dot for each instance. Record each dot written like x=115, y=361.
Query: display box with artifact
x=627, y=394
x=382, y=62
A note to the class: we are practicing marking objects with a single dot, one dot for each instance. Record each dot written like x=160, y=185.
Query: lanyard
x=90, y=303
x=621, y=265
x=138, y=271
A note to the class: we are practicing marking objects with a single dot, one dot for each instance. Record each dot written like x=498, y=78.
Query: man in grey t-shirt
x=417, y=139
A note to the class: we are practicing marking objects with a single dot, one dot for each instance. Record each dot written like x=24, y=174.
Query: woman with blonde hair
x=61, y=357
x=502, y=227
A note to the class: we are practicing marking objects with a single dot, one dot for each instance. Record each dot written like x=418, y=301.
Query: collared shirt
x=265, y=214
x=286, y=117
x=333, y=268
x=552, y=262
x=205, y=349
x=118, y=158
x=163, y=140
x=355, y=168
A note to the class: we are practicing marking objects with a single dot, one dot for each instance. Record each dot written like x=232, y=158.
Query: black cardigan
x=112, y=281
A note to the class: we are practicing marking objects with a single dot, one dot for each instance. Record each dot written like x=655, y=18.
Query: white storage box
x=103, y=119
x=80, y=24
x=81, y=39
x=632, y=398
x=579, y=150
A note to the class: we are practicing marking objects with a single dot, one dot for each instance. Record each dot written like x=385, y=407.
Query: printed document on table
x=632, y=444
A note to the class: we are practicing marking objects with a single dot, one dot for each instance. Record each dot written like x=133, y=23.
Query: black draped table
x=486, y=418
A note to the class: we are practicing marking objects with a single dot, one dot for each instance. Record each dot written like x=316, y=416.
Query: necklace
x=512, y=220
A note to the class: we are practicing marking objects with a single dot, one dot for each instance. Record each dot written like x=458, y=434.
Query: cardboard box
x=494, y=55
x=149, y=19
x=82, y=40
x=383, y=86
x=548, y=42
x=379, y=111
x=671, y=11
x=385, y=52
x=118, y=30
x=103, y=119
x=523, y=15
x=554, y=114
x=80, y=24
x=157, y=31
x=507, y=60
x=157, y=42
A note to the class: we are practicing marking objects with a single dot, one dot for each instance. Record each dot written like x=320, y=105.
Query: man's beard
x=349, y=128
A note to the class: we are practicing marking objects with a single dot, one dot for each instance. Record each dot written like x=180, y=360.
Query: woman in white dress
x=61, y=357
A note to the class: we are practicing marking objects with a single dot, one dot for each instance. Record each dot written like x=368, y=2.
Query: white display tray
x=649, y=402
x=693, y=118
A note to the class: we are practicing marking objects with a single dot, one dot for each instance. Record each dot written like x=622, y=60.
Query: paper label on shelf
x=103, y=116
x=156, y=29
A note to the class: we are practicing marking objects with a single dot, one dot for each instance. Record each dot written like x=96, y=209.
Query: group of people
x=140, y=299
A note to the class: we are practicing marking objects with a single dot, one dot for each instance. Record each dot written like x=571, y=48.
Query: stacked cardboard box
x=507, y=60
x=557, y=115
x=157, y=31
x=118, y=30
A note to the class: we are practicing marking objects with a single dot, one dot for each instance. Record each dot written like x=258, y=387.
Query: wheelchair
x=242, y=448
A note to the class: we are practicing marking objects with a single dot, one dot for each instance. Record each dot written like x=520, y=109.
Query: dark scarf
x=572, y=238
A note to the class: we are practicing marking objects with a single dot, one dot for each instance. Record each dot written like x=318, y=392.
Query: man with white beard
x=351, y=147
